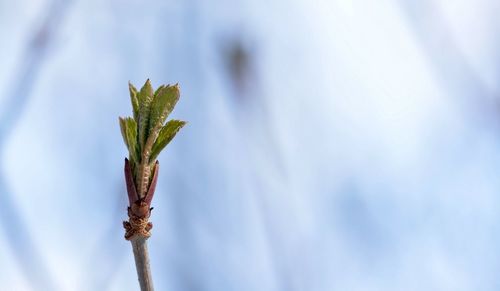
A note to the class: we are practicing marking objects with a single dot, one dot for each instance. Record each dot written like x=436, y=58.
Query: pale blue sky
x=356, y=149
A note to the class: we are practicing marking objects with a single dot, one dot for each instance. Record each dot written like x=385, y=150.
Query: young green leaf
x=163, y=104
x=129, y=132
x=123, y=128
x=167, y=133
x=145, y=97
x=134, y=100
x=159, y=89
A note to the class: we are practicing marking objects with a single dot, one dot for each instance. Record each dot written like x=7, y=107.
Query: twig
x=141, y=256
x=145, y=135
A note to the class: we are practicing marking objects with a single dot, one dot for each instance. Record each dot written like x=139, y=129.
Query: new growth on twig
x=145, y=134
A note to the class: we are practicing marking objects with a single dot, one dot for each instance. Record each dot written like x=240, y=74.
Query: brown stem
x=141, y=255
x=138, y=227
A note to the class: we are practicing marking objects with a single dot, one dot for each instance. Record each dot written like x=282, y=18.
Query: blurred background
x=331, y=145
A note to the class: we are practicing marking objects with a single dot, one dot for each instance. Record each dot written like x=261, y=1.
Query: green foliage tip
x=147, y=133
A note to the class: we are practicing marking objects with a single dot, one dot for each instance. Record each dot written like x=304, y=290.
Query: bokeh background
x=331, y=145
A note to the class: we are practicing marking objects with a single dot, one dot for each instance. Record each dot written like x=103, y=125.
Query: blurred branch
x=18, y=93
x=450, y=63
x=106, y=252
x=239, y=63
